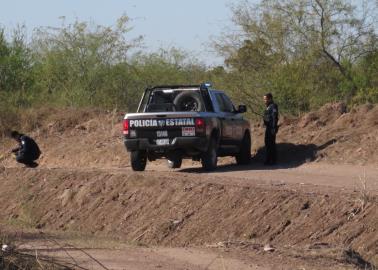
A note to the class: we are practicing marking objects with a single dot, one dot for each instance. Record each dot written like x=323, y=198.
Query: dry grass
x=21, y=254
x=364, y=194
x=13, y=259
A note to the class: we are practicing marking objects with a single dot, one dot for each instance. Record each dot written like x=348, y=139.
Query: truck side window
x=220, y=102
x=228, y=106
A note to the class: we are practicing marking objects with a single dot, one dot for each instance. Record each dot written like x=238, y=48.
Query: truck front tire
x=209, y=158
x=174, y=163
x=244, y=155
x=138, y=160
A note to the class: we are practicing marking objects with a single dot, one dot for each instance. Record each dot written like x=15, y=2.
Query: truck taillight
x=125, y=127
x=200, y=125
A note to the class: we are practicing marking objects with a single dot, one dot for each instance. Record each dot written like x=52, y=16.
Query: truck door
x=237, y=120
x=226, y=116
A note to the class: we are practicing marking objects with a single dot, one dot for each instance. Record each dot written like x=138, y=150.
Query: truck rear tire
x=138, y=160
x=244, y=155
x=209, y=158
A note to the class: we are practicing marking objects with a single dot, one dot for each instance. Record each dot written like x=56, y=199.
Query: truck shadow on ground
x=289, y=156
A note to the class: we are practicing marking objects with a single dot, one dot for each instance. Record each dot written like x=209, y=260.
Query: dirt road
x=122, y=256
x=140, y=258
x=351, y=177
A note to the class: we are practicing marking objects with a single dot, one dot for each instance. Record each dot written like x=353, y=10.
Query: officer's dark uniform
x=28, y=151
x=271, y=128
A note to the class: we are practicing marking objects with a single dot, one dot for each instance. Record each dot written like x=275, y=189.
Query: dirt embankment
x=84, y=138
x=92, y=138
x=167, y=209
x=332, y=134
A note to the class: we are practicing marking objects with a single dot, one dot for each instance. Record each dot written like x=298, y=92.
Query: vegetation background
x=306, y=52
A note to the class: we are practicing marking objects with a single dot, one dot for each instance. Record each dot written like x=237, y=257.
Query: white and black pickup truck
x=186, y=121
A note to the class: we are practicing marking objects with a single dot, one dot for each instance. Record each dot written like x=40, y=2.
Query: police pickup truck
x=186, y=121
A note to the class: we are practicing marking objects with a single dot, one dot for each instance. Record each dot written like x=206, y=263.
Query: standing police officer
x=271, y=129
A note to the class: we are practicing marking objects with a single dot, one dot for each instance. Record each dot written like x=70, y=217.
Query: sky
x=185, y=24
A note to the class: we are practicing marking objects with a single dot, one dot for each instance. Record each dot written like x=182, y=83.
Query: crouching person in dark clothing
x=28, y=151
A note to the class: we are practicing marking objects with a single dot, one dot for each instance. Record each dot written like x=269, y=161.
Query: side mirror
x=242, y=109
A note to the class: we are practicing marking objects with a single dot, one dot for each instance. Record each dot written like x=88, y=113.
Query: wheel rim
x=190, y=105
x=171, y=164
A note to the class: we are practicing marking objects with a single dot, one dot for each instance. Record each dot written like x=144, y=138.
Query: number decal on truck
x=162, y=142
x=188, y=131
x=161, y=133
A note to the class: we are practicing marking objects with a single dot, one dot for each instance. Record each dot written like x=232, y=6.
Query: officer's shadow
x=289, y=156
